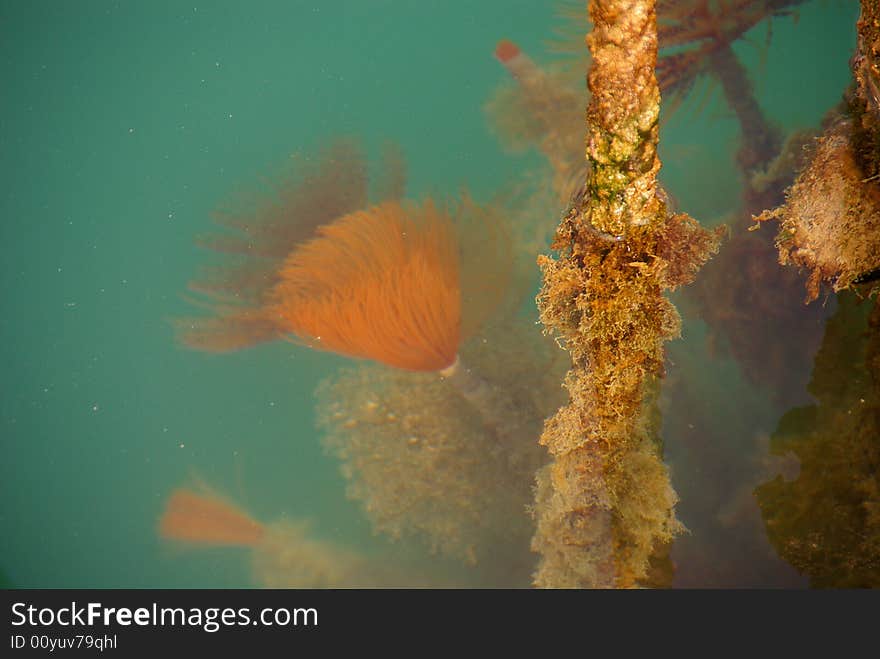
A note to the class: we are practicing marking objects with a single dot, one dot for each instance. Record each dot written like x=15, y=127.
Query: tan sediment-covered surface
x=830, y=221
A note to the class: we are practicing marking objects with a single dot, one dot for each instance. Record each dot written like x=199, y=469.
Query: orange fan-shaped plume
x=208, y=519
x=381, y=284
x=401, y=283
x=260, y=227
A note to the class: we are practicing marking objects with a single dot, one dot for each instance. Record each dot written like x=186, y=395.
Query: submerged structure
x=605, y=507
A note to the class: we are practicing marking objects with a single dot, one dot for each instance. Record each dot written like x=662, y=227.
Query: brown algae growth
x=605, y=506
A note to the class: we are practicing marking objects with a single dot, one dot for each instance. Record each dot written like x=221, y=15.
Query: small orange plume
x=506, y=50
x=380, y=284
x=208, y=519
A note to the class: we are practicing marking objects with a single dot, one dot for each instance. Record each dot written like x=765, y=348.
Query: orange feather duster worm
x=381, y=284
x=401, y=283
x=208, y=519
x=261, y=227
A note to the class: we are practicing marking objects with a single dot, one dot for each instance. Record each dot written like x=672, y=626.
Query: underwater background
x=123, y=125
